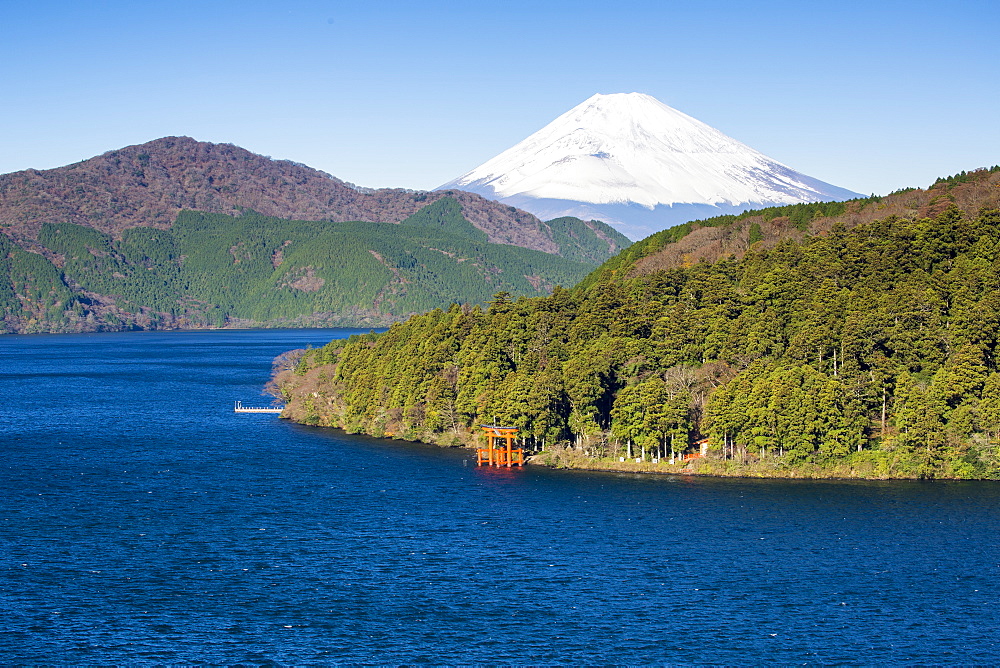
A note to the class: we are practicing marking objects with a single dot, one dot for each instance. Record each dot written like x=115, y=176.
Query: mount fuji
x=630, y=160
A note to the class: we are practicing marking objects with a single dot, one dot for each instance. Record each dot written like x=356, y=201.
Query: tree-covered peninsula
x=842, y=343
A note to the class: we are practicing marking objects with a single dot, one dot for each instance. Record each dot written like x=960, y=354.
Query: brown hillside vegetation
x=710, y=241
x=147, y=185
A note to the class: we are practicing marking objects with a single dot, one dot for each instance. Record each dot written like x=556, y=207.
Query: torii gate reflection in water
x=494, y=455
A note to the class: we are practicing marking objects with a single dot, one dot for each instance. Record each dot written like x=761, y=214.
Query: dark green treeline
x=873, y=345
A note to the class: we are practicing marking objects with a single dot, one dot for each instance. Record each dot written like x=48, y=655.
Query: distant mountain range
x=634, y=162
x=181, y=233
x=147, y=185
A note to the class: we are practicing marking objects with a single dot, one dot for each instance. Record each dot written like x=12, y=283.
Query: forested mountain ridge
x=147, y=185
x=108, y=244
x=732, y=235
x=216, y=270
x=865, y=350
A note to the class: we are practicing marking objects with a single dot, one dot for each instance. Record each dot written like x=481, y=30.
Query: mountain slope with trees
x=733, y=235
x=862, y=344
x=108, y=244
x=148, y=185
x=216, y=270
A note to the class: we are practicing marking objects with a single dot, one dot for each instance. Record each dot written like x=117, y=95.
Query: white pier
x=238, y=407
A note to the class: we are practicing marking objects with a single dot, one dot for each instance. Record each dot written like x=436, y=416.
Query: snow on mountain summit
x=630, y=160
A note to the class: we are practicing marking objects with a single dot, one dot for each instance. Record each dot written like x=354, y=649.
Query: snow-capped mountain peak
x=620, y=152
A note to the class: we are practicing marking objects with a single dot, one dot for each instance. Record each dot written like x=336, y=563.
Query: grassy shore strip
x=870, y=465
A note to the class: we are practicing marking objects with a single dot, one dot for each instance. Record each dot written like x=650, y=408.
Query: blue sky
x=871, y=96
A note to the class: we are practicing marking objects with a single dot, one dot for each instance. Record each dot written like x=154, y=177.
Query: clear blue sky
x=871, y=96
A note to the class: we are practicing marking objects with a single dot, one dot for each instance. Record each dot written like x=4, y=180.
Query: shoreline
x=735, y=472
x=868, y=465
x=722, y=468
x=307, y=408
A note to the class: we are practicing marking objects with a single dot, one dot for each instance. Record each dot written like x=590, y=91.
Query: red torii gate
x=494, y=455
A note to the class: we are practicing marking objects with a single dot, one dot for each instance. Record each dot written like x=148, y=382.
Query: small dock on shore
x=238, y=407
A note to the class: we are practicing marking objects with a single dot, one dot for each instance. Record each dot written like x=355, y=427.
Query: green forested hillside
x=214, y=269
x=864, y=351
x=32, y=293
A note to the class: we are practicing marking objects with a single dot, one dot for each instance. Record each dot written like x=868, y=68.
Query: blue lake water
x=143, y=522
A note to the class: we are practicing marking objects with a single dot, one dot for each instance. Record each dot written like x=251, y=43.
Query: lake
x=144, y=522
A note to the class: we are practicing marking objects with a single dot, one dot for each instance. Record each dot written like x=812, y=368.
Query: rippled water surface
x=142, y=521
